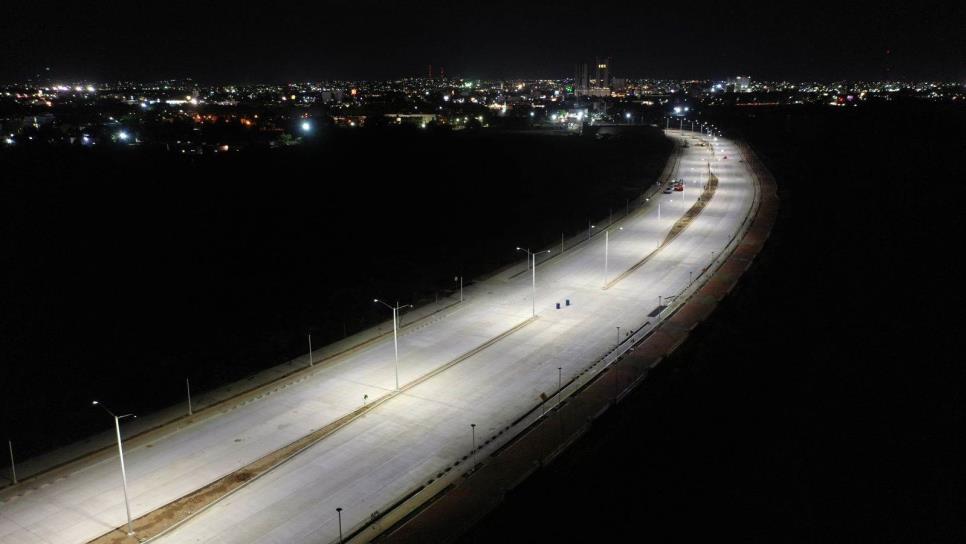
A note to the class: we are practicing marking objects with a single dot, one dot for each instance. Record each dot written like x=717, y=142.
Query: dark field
x=125, y=272
x=824, y=400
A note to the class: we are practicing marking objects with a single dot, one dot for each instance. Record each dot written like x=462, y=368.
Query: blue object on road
x=558, y=305
x=568, y=302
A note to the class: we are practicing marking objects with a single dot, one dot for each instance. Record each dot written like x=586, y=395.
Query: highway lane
x=89, y=501
x=367, y=465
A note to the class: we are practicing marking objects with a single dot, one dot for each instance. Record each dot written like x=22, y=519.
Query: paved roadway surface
x=368, y=464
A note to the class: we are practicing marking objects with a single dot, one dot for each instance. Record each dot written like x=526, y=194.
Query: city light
x=306, y=126
x=123, y=136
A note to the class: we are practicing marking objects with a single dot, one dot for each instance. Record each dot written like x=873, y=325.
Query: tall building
x=602, y=81
x=600, y=85
x=581, y=79
x=742, y=84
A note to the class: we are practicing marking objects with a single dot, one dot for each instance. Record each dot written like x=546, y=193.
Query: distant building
x=600, y=85
x=331, y=96
x=602, y=81
x=420, y=119
x=581, y=80
x=742, y=84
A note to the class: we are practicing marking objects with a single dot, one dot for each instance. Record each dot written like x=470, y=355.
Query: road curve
x=368, y=464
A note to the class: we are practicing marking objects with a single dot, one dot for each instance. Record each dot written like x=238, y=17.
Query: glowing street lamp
x=306, y=126
x=533, y=270
x=120, y=452
x=395, y=332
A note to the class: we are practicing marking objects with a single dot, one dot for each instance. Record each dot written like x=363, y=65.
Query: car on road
x=679, y=187
x=668, y=190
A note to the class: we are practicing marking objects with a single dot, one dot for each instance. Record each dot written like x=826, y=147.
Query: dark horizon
x=882, y=41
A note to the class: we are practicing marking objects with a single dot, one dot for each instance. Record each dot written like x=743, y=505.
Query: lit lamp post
x=607, y=251
x=395, y=332
x=120, y=452
x=533, y=275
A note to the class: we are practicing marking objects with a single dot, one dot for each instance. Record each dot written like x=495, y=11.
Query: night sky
x=366, y=39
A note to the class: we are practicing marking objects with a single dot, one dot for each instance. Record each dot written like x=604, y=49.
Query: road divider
x=679, y=226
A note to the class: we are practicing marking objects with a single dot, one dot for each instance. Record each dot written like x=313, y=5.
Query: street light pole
x=120, y=452
x=187, y=383
x=533, y=275
x=473, y=431
x=559, y=383
x=310, y=349
x=339, y=511
x=13, y=467
x=607, y=252
x=395, y=332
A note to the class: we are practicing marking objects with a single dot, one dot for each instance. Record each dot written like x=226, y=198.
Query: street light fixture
x=533, y=270
x=120, y=452
x=395, y=332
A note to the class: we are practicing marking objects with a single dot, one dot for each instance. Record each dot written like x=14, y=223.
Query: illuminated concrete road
x=368, y=464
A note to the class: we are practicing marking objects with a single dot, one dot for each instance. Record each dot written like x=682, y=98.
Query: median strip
x=709, y=188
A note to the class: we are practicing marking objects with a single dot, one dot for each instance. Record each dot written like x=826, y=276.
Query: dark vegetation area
x=126, y=270
x=823, y=400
